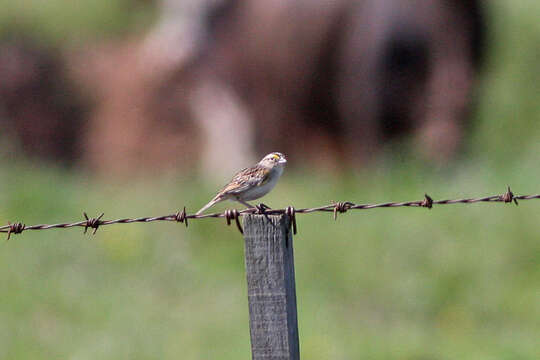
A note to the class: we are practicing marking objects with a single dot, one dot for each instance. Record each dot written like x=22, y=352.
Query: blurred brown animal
x=341, y=78
x=41, y=111
x=321, y=81
x=326, y=82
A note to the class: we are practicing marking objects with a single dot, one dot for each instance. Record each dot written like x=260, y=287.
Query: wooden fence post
x=271, y=287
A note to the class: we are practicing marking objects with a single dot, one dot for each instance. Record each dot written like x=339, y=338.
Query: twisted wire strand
x=234, y=214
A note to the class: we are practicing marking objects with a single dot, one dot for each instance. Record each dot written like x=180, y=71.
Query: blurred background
x=140, y=107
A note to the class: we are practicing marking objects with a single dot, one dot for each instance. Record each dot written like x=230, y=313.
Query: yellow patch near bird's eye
x=275, y=156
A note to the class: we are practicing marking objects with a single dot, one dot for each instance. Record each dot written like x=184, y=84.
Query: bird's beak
x=283, y=160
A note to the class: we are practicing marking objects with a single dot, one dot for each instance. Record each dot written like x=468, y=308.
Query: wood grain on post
x=271, y=287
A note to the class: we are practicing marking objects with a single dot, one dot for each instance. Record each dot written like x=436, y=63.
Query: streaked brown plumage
x=253, y=182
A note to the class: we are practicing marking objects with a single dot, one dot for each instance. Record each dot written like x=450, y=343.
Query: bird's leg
x=246, y=204
x=263, y=207
x=261, y=210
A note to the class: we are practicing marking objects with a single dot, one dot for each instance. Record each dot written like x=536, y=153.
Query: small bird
x=251, y=183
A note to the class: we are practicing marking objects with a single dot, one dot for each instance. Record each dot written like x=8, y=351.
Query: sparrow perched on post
x=251, y=183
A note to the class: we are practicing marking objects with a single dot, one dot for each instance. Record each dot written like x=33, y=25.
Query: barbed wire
x=234, y=215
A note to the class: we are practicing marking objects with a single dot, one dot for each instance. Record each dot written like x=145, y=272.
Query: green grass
x=508, y=113
x=454, y=282
x=65, y=21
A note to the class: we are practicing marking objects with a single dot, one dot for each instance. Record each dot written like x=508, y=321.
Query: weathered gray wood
x=271, y=288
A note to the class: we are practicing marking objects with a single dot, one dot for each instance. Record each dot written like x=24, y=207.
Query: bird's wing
x=245, y=179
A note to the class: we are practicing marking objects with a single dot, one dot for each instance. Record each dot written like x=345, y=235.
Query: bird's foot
x=261, y=208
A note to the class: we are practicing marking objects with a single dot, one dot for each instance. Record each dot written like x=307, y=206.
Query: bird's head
x=273, y=159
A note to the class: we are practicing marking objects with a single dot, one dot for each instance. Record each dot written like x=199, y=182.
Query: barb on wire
x=508, y=196
x=93, y=223
x=181, y=217
x=234, y=214
x=427, y=202
x=15, y=228
x=341, y=207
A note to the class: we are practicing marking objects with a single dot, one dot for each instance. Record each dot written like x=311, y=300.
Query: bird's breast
x=260, y=191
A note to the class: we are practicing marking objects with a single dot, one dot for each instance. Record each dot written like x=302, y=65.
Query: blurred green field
x=65, y=21
x=454, y=282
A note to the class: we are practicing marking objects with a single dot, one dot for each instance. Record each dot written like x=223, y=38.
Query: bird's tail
x=210, y=204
